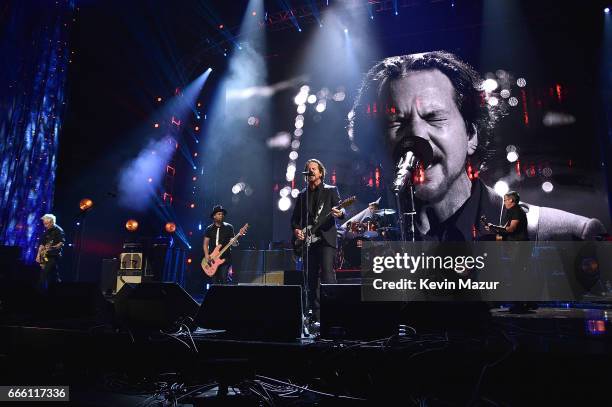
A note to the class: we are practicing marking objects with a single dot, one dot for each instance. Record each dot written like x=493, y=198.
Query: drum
x=370, y=229
x=356, y=227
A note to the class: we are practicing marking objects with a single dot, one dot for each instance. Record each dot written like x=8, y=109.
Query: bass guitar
x=310, y=231
x=210, y=267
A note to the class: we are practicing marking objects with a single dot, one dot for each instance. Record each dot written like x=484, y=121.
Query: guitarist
x=313, y=204
x=50, y=251
x=220, y=233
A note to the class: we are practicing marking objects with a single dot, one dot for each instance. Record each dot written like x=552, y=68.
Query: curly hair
x=467, y=83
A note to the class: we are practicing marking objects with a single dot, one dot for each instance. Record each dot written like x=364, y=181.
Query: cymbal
x=385, y=212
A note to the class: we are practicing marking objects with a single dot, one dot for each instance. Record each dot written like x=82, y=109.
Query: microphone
x=309, y=173
x=409, y=154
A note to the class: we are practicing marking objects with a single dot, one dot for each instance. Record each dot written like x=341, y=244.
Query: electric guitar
x=310, y=231
x=41, y=256
x=210, y=267
x=498, y=229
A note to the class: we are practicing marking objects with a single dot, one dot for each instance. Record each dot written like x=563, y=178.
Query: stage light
x=521, y=82
x=221, y=26
x=489, y=85
x=254, y=13
x=150, y=180
x=159, y=99
x=371, y=17
x=189, y=260
x=305, y=89
x=321, y=106
x=339, y=96
x=78, y=223
x=156, y=125
x=170, y=227
x=284, y=204
x=512, y=156
x=547, y=187
x=299, y=118
x=505, y=93
x=253, y=121
x=311, y=99
x=301, y=98
x=493, y=101
x=513, y=101
x=301, y=109
x=299, y=30
x=285, y=192
x=85, y=204
x=298, y=133
x=299, y=124
x=397, y=13
x=501, y=188
x=131, y=225
x=293, y=155
x=192, y=206
x=346, y=30
x=236, y=189
x=295, y=144
x=607, y=10
x=280, y=140
x=197, y=128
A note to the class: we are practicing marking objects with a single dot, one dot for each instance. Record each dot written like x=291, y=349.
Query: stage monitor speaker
x=345, y=316
x=75, y=300
x=253, y=311
x=153, y=306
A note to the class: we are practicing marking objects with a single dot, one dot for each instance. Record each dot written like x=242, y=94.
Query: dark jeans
x=222, y=275
x=320, y=268
x=50, y=273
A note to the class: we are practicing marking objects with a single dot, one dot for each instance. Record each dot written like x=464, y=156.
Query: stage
x=546, y=356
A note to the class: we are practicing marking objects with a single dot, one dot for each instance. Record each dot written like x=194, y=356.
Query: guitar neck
x=231, y=242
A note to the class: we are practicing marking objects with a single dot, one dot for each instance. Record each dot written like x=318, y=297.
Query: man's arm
x=337, y=213
x=236, y=243
x=512, y=226
x=296, y=227
x=206, y=242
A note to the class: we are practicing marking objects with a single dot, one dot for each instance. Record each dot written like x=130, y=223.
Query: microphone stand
x=305, y=259
x=403, y=177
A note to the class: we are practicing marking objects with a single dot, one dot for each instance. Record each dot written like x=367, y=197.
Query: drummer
x=368, y=213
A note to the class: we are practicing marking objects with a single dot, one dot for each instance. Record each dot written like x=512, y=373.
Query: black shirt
x=515, y=213
x=460, y=227
x=313, y=202
x=53, y=236
x=226, y=232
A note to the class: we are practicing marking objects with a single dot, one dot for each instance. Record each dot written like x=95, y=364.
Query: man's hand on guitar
x=336, y=213
x=298, y=234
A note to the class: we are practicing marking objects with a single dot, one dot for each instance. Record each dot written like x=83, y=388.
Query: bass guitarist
x=313, y=205
x=219, y=233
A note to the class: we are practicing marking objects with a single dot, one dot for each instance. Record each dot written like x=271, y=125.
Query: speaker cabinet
x=253, y=311
x=153, y=306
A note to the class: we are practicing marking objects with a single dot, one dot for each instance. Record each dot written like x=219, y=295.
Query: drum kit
x=376, y=228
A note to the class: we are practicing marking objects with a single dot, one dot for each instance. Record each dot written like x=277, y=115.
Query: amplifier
x=130, y=261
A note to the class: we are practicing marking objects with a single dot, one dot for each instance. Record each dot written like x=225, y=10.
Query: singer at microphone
x=316, y=205
x=436, y=99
